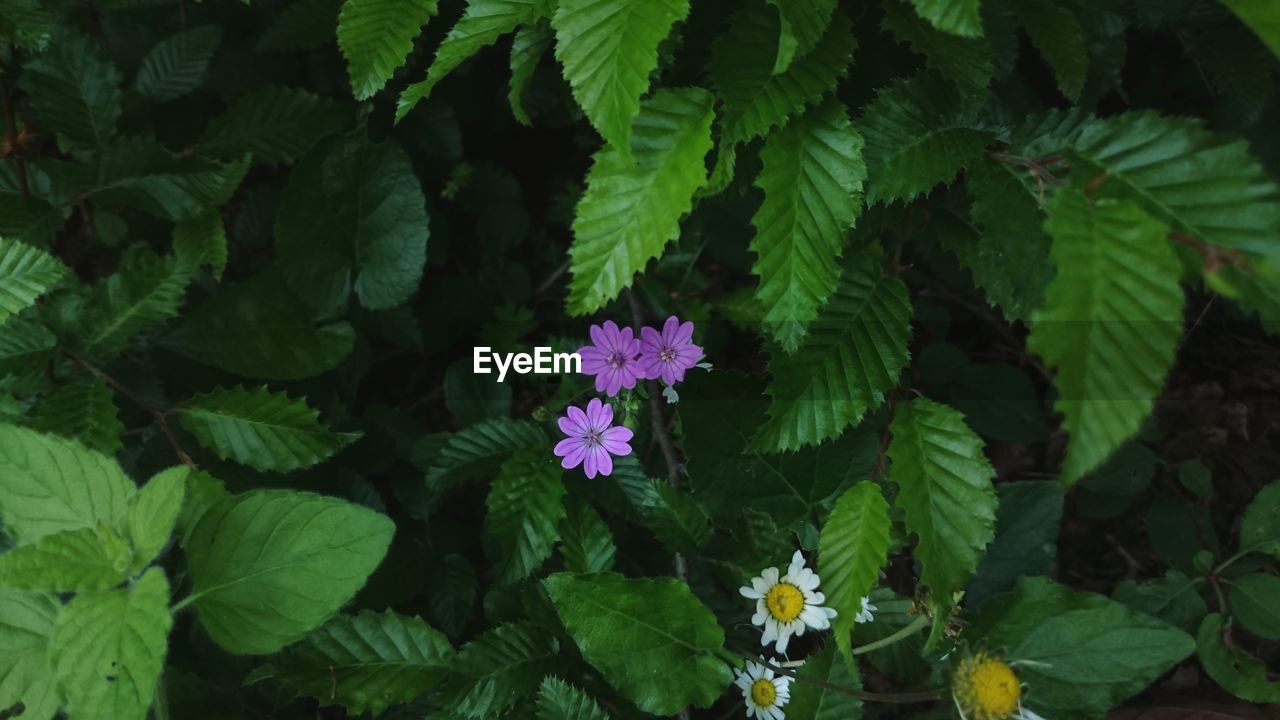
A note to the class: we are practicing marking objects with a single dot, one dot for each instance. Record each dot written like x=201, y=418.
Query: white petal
x=752, y=593
x=811, y=581
x=797, y=564
x=759, y=585
x=816, y=598
x=1026, y=714
x=759, y=618
x=784, y=637
x=770, y=632
x=815, y=618
x=770, y=576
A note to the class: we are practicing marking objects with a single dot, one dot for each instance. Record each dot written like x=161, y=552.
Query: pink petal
x=579, y=417
x=611, y=335
x=604, y=463
x=671, y=373
x=589, y=466
x=669, y=329
x=569, y=427
x=650, y=339
x=593, y=412
x=575, y=456
x=604, y=417
x=684, y=334
x=598, y=337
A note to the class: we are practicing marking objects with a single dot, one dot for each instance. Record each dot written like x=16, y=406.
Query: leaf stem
x=916, y=626
x=159, y=414
x=895, y=698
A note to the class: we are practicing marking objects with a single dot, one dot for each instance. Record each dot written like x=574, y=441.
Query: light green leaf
x=855, y=352
x=803, y=24
x=26, y=631
x=375, y=36
x=651, y=638
x=528, y=47
x=48, y=484
x=633, y=203
x=176, y=65
x=72, y=90
x=945, y=492
x=200, y=242
x=965, y=61
x=366, y=662
x=498, y=668
x=558, y=700
x=853, y=546
x=1262, y=17
x=276, y=124
x=609, y=48
x=1061, y=40
x=271, y=565
x=1110, y=324
x=83, y=410
x=109, y=648
x=153, y=513
x=1260, y=527
x=525, y=509
x=585, y=541
x=812, y=183
x=1238, y=672
x=958, y=17
x=264, y=430
x=353, y=217
x=26, y=273
x=69, y=561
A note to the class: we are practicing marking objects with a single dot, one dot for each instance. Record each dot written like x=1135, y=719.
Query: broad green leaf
x=958, y=17
x=366, y=662
x=812, y=182
x=1081, y=652
x=483, y=22
x=1061, y=40
x=73, y=91
x=264, y=430
x=48, y=485
x=269, y=566
x=176, y=65
x=480, y=449
x=741, y=69
x=260, y=329
x=609, y=48
x=1173, y=598
x=203, y=492
x=944, y=492
x=558, y=700
x=69, y=561
x=634, y=202
x=852, y=548
x=1028, y=521
x=26, y=273
x=153, y=513
x=585, y=541
x=1262, y=17
x=525, y=508
x=812, y=701
x=276, y=124
x=498, y=668
x=26, y=631
x=1238, y=672
x=375, y=36
x=109, y=648
x=1260, y=527
x=1110, y=323
x=803, y=24
x=966, y=61
x=82, y=410
x=1253, y=604
x=200, y=242
x=528, y=47
x=651, y=638
x=855, y=351
x=919, y=133
x=353, y=218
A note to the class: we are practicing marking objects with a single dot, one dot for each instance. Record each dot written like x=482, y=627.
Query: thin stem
x=11, y=136
x=916, y=626
x=158, y=414
x=896, y=698
x=182, y=604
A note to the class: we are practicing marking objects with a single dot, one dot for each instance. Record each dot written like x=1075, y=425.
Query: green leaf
x=26, y=273
x=558, y=700
x=634, y=202
x=1028, y=521
x=26, y=631
x=855, y=352
x=609, y=48
x=153, y=514
x=29, y=26
x=264, y=430
x=852, y=548
x=1173, y=598
x=69, y=561
x=525, y=508
x=945, y=492
x=803, y=24
x=73, y=91
x=353, y=218
x=48, y=484
x=25, y=348
x=528, y=47
x=145, y=292
x=200, y=242
x=1081, y=652
x=271, y=565
x=741, y=69
x=82, y=410
x=919, y=133
x=483, y=22
x=651, y=638
x=1261, y=17
x=1253, y=604
x=302, y=25
x=1260, y=527
x=140, y=174
x=176, y=65
x=276, y=124
x=812, y=182
x=958, y=17
x=813, y=701
x=31, y=220
x=366, y=662
x=375, y=36
x=480, y=449
x=109, y=648
x=1110, y=324
x=1238, y=672
x=259, y=328
x=965, y=61
x=453, y=598
x=1057, y=33
x=498, y=668
x=585, y=541
x=674, y=517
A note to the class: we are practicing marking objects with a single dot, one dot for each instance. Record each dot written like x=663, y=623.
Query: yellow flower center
x=986, y=688
x=785, y=601
x=763, y=693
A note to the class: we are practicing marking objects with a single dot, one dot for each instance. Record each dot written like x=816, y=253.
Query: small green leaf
x=375, y=36
x=528, y=47
x=966, y=61
x=585, y=541
x=958, y=17
x=1238, y=672
x=73, y=91
x=144, y=293
x=1057, y=33
x=1260, y=528
x=1253, y=604
x=177, y=64
x=1173, y=598
x=276, y=124
x=83, y=410
x=26, y=632
x=26, y=273
x=480, y=449
x=69, y=561
x=498, y=668
x=200, y=242
x=803, y=24
x=153, y=513
x=525, y=507
x=558, y=700
x=852, y=548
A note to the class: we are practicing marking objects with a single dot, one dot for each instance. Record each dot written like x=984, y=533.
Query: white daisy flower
x=786, y=605
x=865, y=614
x=764, y=692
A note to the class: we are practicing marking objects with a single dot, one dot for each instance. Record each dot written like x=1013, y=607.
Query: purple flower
x=612, y=358
x=669, y=354
x=591, y=439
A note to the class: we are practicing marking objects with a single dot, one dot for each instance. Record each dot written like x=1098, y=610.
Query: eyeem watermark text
x=541, y=362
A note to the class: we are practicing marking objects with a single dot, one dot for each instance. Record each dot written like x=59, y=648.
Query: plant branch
x=160, y=415
x=896, y=698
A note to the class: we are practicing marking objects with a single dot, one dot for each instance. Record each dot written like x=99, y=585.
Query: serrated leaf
x=585, y=541
x=480, y=449
x=812, y=182
x=966, y=61
x=945, y=492
x=1110, y=324
x=26, y=273
x=83, y=410
x=276, y=124
x=366, y=662
x=525, y=509
x=375, y=36
x=1057, y=33
x=496, y=669
x=145, y=292
x=109, y=648
x=29, y=26
x=200, y=242
x=530, y=44
x=558, y=700
x=73, y=91
x=139, y=173
x=31, y=220
x=633, y=203
x=177, y=64
x=608, y=49
x=80, y=560
x=651, y=638
x=919, y=133
x=26, y=631
x=958, y=17
x=25, y=347
x=269, y=566
x=1261, y=17
x=853, y=546
x=855, y=352
x=803, y=23
x=153, y=514
x=452, y=599
x=264, y=430
x=673, y=516
x=741, y=70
